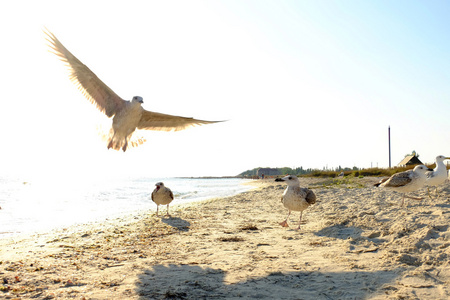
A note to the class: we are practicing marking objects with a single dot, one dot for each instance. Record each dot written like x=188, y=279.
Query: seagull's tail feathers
x=118, y=143
x=112, y=140
x=122, y=144
x=381, y=182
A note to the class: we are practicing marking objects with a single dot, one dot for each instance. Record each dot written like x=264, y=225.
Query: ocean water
x=40, y=205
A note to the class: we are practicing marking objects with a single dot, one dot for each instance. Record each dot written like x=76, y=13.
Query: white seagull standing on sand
x=295, y=198
x=162, y=195
x=127, y=115
x=438, y=175
x=407, y=181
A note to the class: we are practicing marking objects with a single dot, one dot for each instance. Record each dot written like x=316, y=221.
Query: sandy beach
x=356, y=243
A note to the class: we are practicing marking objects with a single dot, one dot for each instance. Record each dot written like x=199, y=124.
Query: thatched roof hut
x=410, y=160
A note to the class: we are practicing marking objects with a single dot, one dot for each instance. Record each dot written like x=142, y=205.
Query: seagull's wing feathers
x=310, y=196
x=87, y=82
x=163, y=122
x=431, y=174
x=399, y=179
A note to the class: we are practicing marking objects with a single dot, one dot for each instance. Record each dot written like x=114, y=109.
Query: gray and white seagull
x=407, y=181
x=295, y=198
x=162, y=195
x=128, y=116
x=438, y=175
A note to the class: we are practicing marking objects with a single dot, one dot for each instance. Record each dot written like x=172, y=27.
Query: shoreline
x=98, y=215
x=127, y=217
x=357, y=242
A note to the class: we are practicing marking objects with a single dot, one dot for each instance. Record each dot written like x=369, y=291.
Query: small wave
x=42, y=205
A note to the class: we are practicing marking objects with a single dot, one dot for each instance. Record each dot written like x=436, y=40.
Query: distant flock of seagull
x=129, y=116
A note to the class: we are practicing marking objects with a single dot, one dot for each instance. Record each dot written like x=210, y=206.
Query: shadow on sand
x=178, y=223
x=194, y=282
x=343, y=232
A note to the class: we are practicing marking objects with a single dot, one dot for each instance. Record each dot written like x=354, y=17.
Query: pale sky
x=301, y=83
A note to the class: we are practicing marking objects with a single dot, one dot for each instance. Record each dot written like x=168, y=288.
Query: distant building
x=267, y=172
x=410, y=160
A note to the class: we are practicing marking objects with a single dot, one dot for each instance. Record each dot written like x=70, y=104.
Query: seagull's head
x=290, y=180
x=137, y=99
x=441, y=158
x=159, y=185
x=421, y=170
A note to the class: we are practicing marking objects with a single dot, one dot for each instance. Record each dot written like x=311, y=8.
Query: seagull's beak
x=430, y=169
x=279, y=179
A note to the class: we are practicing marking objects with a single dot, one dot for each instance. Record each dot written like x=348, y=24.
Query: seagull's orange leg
x=300, y=221
x=284, y=223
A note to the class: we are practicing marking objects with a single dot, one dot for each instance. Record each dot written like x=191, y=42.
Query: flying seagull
x=162, y=195
x=438, y=175
x=407, y=181
x=295, y=198
x=127, y=115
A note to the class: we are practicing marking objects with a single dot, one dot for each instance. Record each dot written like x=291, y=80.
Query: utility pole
x=389, y=139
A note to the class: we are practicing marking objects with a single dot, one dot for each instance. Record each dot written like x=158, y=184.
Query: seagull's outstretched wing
x=87, y=82
x=162, y=122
